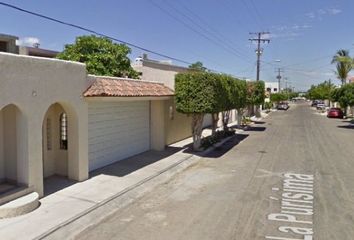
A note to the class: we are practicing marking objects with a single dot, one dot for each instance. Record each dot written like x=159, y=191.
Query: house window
x=63, y=123
x=49, y=134
x=269, y=89
x=275, y=89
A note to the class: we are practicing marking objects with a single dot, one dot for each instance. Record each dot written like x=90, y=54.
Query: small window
x=269, y=89
x=63, y=131
x=275, y=89
x=49, y=134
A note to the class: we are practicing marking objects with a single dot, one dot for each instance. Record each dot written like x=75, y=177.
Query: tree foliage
x=198, y=93
x=321, y=91
x=255, y=93
x=344, y=64
x=344, y=95
x=101, y=56
x=278, y=97
x=197, y=66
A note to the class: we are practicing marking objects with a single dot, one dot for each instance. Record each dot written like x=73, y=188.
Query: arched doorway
x=55, y=142
x=10, y=148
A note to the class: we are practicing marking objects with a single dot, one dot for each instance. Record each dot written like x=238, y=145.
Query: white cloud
x=334, y=11
x=28, y=41
x=310, y=15
x=323, y=12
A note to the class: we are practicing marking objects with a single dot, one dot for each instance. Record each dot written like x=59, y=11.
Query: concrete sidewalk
x=61, y=208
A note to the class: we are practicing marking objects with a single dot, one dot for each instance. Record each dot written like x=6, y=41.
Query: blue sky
x=304, y=33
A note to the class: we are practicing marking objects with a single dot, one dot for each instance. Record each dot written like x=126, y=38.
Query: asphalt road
x=233, y=193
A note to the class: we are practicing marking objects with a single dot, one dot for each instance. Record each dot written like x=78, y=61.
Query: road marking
x=296, y=208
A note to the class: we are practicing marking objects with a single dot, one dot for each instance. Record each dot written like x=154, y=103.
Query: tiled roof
x=120, y=87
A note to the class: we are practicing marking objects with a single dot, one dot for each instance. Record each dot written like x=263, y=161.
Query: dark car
x=335, y=113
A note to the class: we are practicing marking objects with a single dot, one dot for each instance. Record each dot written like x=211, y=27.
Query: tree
x=344, y=95
x=255, y=94
x=101, y=56
x=344, y=64
x=198, y=93
x=278, y=97
x=239, y=98
x=322, y=91
x=197, y=66
x=195, y=95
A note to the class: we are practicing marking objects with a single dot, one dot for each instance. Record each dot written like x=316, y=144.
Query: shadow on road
x=220, y=151
x=347, y=126
x=259, y=122
x=255, y=129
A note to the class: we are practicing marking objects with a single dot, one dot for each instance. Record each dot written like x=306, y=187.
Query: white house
x=57, y=120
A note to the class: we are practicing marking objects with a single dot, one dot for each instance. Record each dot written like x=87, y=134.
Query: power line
x=91, y=31
x=200, y=33
x=207, y=27
x=253, y=13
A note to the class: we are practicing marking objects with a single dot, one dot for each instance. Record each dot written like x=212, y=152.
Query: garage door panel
x=117, y=131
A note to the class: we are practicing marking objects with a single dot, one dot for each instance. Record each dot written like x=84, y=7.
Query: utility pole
x=279, y=71
x=259, y=39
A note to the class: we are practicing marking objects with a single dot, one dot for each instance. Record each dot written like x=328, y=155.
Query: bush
x=268, y=105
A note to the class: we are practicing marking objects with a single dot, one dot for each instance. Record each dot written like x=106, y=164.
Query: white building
x=272, y=87
x=57, y=120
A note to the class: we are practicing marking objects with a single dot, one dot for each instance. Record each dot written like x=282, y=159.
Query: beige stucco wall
x=178, y=125
x=157, y=125
x=55, y=160
x=33, y=85
x=159, y=72
x=8, y=133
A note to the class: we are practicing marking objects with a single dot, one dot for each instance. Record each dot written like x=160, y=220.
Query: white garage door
x=117, y=130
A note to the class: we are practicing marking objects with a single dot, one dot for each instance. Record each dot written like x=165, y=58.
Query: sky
x=304, y=34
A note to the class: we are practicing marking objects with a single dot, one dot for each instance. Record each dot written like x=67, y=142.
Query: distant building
x=160, y=71
x=37, y=52
x=8, y=43
x=350, y=79
x=272, y=87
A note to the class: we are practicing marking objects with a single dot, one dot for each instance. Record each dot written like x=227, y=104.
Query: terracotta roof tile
x=120, y=87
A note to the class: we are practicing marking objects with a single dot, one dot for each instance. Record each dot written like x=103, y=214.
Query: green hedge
x=203, y=92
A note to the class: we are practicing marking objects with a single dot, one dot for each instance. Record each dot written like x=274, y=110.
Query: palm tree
x=344, y=64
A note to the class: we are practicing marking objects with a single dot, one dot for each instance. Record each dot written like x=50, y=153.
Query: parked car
x=316, y=102
x=283, y=106
x=320, y=106
x=335, y=113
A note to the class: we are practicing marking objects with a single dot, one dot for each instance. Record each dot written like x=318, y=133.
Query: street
x=231, y=193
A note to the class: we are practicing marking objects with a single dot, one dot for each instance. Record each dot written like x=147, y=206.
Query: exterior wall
x=10, y=42
x=55, y=160
x=10, y=142
x=117, y=130
x=33, y=85
x=159, y=72
x=157, y=125
x=272, y=86
x=178, y=125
